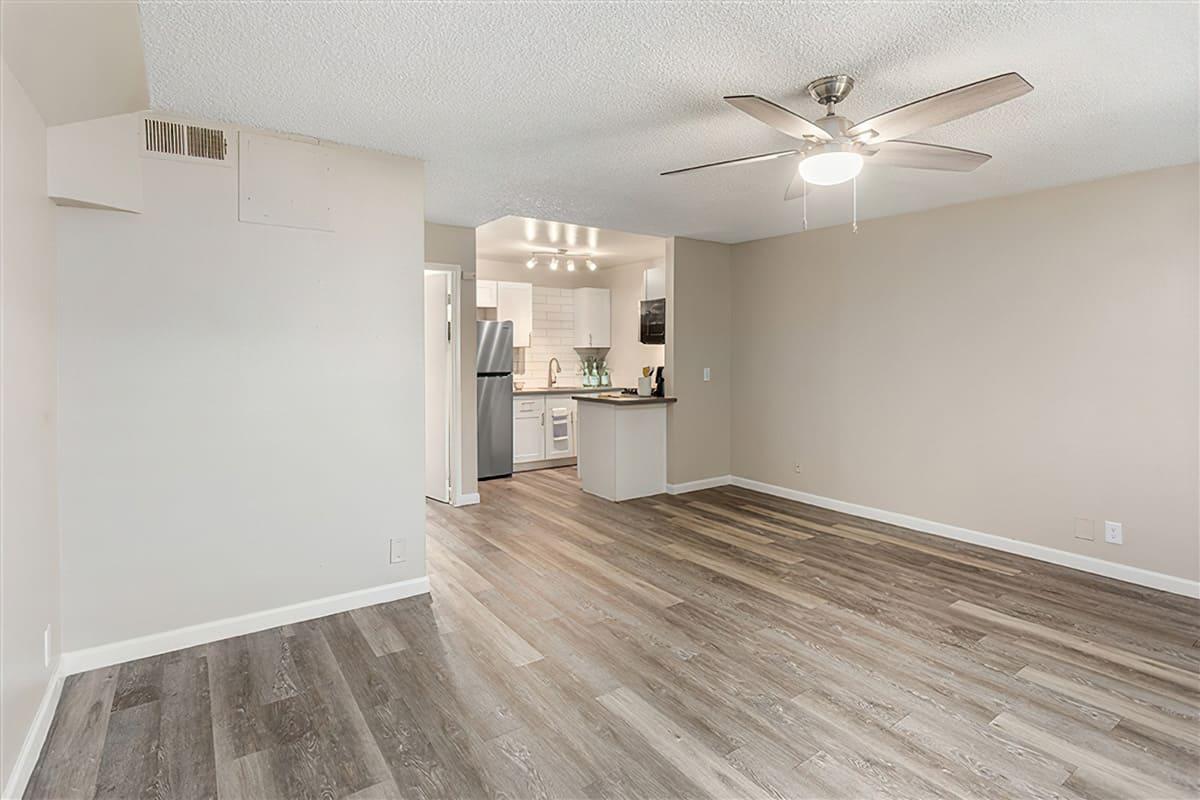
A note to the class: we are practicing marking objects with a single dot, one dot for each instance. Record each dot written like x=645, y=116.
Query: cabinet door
x=485, y=294
x=514, y=301
x=560, y=427
x=529, y=436
x=593, y=324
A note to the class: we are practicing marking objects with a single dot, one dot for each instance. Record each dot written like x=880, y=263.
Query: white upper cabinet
x=656, y=283
x=593, y=318
x=485, y=294
x=514, y=301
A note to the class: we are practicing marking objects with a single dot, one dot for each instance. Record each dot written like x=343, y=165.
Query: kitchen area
x=570, y=331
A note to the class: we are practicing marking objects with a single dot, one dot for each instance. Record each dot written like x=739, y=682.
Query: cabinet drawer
x=524, y=407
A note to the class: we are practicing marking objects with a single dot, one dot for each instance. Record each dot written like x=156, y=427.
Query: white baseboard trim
x=156, y=643
x=467, y=500
x=35, y=737
x=695, y=486
x=1096, y=566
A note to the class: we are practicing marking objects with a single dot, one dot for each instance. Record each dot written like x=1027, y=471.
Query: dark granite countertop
x=626, y=399
x=568, y=390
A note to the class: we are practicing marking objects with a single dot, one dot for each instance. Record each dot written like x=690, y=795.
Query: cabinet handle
x=543, y=419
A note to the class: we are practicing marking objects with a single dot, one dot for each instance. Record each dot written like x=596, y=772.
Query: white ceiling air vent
x=184, y=142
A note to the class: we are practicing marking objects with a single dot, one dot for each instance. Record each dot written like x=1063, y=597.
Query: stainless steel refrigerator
x=493, y=390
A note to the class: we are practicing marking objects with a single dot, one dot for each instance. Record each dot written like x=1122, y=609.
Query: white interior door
x=437, y=386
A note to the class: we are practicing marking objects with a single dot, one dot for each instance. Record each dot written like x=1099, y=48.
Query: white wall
x=241, y=420
x=29, y=544
x=1005, y=366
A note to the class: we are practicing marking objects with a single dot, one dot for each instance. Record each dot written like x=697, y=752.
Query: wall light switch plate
x=397, y=553
x=1113, y=533
x=707, y=374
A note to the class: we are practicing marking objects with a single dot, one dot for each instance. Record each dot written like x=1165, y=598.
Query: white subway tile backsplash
x=553, y=337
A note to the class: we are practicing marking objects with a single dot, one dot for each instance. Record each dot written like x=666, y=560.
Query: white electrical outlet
x=707, y=374
x=397, y=554
x=797, y=467
x=46, y=646
x=1113, y=533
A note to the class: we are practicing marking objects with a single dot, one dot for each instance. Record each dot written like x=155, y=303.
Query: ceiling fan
x=833, y=149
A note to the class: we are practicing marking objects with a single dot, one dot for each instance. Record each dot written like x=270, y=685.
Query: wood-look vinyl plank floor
x=718, y=644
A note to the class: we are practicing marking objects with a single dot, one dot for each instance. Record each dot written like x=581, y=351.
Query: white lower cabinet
x=543, y=428
x=529, y=429
x=560, y=427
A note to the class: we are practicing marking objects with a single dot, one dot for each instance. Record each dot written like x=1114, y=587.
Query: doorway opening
x=443, y=445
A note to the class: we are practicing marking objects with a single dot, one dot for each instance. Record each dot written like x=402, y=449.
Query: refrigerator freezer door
x=493, y=354
x=495, y=431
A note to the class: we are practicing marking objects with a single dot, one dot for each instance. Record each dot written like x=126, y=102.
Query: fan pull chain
x=854, y=189
x=805, y=202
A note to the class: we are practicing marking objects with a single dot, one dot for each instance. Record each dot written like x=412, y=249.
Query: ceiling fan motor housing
x=830, y=89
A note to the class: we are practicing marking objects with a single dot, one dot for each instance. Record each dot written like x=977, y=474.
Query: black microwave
x=653, y=328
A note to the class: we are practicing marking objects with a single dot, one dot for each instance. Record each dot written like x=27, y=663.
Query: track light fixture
x=556, y=257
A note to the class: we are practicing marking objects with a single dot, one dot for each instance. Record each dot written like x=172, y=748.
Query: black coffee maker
x=660, y=384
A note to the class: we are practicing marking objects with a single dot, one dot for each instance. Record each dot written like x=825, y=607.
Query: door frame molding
x=455, y=275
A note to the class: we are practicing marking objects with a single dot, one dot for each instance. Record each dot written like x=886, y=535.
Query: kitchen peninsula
x=622, y=450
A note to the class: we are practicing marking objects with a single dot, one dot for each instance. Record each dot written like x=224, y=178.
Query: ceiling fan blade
x=797, y=188
x=778, y=117
x=918, y=155
x=733, y=161
x=939, y=108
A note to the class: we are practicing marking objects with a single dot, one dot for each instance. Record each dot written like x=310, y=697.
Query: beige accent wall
x=451, y=244
x=1006, y=366
x=699, y=333
x=30, y=555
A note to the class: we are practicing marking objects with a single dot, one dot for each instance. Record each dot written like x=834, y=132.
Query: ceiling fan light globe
x=831, y=167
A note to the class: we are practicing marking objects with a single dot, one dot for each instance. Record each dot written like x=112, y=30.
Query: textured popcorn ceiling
x=568, y=111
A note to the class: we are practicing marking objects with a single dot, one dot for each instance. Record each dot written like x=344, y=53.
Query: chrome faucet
x=553, y=368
